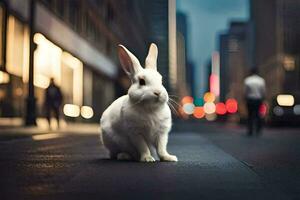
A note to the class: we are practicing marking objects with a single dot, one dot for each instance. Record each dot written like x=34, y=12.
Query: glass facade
x=49, y=61
x=85, y=86
x=1, y=35
x=17, y=54
x=87, y=19
x=72, y=70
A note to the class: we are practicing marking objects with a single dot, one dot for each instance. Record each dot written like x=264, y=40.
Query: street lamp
x=30, y=117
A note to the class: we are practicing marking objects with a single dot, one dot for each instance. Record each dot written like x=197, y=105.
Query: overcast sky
x=207, y=18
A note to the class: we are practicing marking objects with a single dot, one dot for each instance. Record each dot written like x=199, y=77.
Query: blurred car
x=285, y=110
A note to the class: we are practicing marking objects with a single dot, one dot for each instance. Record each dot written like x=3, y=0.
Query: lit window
x=67, y=70
x=1, y=33
x=285, y=100
x=289, y=63
x=17, y=57
x=47, y=61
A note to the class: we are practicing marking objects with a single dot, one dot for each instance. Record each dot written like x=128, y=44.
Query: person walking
x=53, y=101
x=255, y=92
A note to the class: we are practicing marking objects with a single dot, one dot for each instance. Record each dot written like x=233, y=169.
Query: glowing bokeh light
x=231, y=106
x=221, y=108
x=199, y=102
x=199, y=112
x=188, y=108
x=285, y=100
x=209, y=97
x=187, y=99
x=209, y=107
x=86, y=112
x=296, y=109
x=263, y=109
x=278, y=111
x=214, y=84
x=71, y=110
x=211, y=117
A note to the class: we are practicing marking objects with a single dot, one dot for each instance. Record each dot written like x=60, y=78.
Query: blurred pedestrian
x=53, y=101
x=255, y=92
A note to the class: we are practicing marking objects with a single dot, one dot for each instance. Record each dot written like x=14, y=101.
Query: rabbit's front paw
x=169, y=158
x=147, y=158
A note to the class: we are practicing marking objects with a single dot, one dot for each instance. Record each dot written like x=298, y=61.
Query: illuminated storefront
x=85, y=73
x=1, y=35
x=49, y=61
x=12, y=86
x=17, y=53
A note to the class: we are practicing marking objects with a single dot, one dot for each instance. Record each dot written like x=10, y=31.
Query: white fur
x=135, y=123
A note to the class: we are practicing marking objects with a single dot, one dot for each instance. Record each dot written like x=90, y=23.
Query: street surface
x=215, y=162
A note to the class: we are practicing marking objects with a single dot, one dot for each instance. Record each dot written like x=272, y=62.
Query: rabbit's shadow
x=103, y=161
x=107, y=162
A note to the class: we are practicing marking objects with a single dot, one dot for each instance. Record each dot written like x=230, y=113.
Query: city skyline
x=214, y=16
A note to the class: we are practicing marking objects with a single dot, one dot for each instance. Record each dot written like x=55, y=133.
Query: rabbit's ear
x=151, y=60
x=129, y=62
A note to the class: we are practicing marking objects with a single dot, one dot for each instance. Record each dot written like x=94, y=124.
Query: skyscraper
x=76, y=43
x=234, y=61
x=276, y=37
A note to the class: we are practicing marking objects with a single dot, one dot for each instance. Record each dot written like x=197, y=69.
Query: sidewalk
x=13, y=128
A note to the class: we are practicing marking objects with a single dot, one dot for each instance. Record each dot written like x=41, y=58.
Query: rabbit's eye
x=142, y=81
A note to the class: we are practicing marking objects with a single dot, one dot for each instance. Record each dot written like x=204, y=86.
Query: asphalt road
x=214, y=163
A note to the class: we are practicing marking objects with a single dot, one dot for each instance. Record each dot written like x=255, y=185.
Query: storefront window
x=88, y=86
x=52, y=61
x=73, y=69
x=1, y=35
x=17, y=47
x=47, y=62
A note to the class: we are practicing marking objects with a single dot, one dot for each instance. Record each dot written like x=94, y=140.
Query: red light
x=263, y=109
x=199, y=112
x=231, y=106
x=221, y=108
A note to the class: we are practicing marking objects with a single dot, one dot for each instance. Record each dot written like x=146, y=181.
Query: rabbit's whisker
x=174, y=102
x=172, y=108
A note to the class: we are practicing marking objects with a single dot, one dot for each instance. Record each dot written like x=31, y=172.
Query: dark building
x=182, y=25
x=184, y=64
x=276, y=35
x=235, y=61
x=157, y=18
x=190, y=72
x=224, y=54
x=207, y=71
x=181, y=43
x=76, y=44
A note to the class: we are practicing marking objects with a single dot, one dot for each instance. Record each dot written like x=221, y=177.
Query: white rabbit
x=140, y=120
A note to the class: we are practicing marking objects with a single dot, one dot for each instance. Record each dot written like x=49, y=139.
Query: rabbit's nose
x=157, y=93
